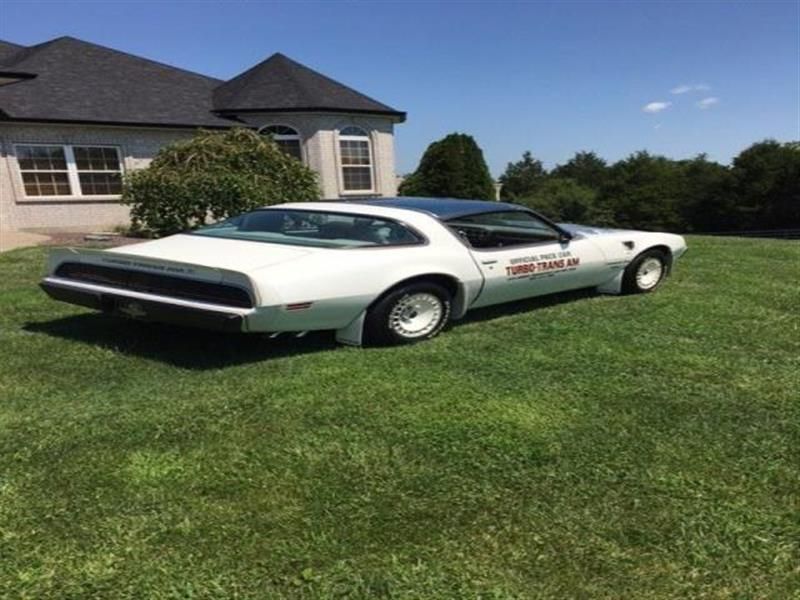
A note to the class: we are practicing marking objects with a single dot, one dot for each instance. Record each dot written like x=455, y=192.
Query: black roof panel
x=443, y=208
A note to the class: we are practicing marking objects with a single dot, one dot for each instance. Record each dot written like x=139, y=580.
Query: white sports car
x=382, y=271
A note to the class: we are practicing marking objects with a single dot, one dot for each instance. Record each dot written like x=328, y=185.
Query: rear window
x=312, y=228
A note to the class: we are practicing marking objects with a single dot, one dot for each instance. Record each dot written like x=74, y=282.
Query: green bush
x=211, y=177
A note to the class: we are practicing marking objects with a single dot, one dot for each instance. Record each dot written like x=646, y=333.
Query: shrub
x=211, y=177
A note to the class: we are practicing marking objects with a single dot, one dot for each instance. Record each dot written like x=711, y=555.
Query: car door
x=521, y=255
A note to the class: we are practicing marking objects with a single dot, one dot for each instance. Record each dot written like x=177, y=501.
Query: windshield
x=312, y=228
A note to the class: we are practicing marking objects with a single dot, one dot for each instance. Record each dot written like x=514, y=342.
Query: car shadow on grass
x=180, y=346
x=188, y=348
x=479, y=315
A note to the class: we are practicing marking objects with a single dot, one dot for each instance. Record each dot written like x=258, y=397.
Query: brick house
x=74, y=116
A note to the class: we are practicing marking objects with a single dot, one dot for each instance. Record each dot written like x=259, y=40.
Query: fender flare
x=614, y=285
x=353, y=333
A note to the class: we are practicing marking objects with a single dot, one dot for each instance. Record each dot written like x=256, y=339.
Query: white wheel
x=407, y=314
x=416, y=315
x=646, y=272
x=649, y=273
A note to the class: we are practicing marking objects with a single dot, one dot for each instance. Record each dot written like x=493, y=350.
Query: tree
x=645, y=191
x=452, y=167
x=585, y=168
x=707, y=203
x=521, y=179
x=214, y=176
x=564, y=200
x=766, y=186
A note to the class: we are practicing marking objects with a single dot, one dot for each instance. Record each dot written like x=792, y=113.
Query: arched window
x=356, y=159
x=287, y=139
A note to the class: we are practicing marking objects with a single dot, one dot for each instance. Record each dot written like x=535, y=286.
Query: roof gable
x=279, y=84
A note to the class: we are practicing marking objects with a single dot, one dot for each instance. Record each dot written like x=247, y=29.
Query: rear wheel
x=410, y=313
x=645, y=273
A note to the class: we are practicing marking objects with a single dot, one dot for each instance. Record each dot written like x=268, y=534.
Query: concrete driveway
x=19, y=239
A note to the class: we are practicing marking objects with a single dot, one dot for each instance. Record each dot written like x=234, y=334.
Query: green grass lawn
x=587, y=447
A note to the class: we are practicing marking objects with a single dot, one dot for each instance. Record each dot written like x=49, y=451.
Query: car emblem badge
x=133, y=310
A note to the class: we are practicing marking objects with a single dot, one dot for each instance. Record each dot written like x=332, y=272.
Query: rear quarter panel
x=341, y=283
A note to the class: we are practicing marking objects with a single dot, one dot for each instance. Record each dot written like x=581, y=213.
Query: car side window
x=502, y=229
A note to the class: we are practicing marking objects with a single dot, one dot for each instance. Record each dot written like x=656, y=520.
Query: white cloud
x=706, y=103
x=656, y=107
x=695, y=87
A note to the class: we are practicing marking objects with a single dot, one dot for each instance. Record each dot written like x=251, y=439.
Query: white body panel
x=299, y=288
x=523, y=272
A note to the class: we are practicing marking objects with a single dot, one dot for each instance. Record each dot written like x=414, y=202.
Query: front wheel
x=410, y=313
x=645, y=273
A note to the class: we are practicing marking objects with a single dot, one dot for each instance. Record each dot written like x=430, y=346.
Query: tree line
x=760, y=190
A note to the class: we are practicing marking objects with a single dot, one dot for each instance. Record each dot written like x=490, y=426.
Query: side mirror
x=564, y=237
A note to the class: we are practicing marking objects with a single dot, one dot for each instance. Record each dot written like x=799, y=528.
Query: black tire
x=384, y=324
x=642, y=276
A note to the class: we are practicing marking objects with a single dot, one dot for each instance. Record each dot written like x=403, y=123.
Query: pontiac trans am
x=381, y=271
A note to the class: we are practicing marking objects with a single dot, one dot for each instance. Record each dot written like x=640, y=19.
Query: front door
x=521, y=255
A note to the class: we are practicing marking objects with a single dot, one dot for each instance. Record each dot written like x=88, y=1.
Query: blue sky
x=553, y=78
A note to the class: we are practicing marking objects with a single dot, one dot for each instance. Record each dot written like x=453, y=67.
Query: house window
x=44, y=170
x=69, y=171
x=287, y=139
x=99, y=171
x=356, y=160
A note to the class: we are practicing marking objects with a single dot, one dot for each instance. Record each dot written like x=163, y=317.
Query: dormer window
x=287, y=138
x=355, y=154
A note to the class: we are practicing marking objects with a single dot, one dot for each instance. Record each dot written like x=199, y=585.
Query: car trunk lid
x=214, y=253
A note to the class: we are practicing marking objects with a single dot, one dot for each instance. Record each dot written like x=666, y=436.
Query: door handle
x=488, y=262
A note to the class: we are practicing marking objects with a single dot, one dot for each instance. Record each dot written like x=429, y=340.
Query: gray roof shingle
x=83, y=82
x=7, y=51
x=280, y=84
x=77, y=81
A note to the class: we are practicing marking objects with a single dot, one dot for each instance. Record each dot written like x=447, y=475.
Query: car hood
x=220, y=253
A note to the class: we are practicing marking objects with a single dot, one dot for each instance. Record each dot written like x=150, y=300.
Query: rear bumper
x=147, y=307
